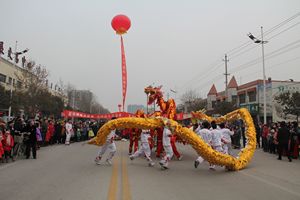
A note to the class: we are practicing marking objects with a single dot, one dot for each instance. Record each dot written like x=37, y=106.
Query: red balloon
x=121, y=24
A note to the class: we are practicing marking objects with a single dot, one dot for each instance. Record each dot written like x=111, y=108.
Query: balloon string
x=124, y=73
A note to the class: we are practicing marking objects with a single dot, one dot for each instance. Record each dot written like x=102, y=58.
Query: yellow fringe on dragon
x=191, y=137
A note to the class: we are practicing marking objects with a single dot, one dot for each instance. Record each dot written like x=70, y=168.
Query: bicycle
x=20, y=147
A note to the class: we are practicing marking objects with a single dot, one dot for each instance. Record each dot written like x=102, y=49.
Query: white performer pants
x=68, y=138
x=219, y=149
x=227, y=149
x=169, y=154
x=111, y=147
x=144, y=148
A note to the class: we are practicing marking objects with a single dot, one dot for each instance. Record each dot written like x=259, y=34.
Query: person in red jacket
x=50, y=132
x=265, y=133
x=133, y=140
x=1, y=146
x=8, y=144
x=159, y=143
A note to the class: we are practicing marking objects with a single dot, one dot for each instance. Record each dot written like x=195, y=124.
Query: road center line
x=126, y=195
x=112, y=192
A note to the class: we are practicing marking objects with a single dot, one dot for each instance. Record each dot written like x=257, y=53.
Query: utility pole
x=226, y=76
x=11, y=85
x=264, y=74
x=262, y=42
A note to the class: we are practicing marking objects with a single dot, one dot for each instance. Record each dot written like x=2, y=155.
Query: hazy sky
x=174, y=43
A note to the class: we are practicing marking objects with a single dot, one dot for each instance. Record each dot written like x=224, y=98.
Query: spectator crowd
x=19, y=137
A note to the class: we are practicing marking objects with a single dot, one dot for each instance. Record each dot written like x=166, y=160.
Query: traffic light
x=1, y=48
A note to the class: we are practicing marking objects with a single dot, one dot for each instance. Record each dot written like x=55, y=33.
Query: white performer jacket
x=205, y=134
x=145, y=136
x=68, y=127
x=226, y=133
x=110, y=137
x=216, y=137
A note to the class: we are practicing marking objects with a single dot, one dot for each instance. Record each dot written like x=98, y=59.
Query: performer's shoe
x=131, y=157
x=162, y=162
x=151, y=164
x=97, y=160
x=108, y=162
x=165, y=166
x=180, y=158
x=196, y=163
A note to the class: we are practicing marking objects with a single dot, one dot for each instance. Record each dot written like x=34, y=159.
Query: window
x=213, y=104
x=19, y=84
x=9, y=80
x=2, y=78
x=252, y=96
x=242, y=98
x=234, y=99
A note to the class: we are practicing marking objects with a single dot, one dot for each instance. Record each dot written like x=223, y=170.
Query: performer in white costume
x=69, y=129
x=167, y=147
x=110, y=145
x=205, y=134
x=226, y=139
x=216, y=138
x=144, y=148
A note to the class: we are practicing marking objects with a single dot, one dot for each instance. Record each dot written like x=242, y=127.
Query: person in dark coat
x=283, y=141
x=31, y=141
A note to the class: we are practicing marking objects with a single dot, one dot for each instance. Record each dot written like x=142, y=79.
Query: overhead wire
x=237, y=50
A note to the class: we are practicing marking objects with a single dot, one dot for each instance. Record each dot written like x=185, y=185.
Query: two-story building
x=250, y=96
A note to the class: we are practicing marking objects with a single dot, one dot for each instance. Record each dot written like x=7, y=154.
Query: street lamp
x=262, y=42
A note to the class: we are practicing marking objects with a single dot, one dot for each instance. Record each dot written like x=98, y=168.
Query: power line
x=276, y=65
x=246, y=44
x=268, y=56
x=237, y=50
x=284, y=30
x=232, y=57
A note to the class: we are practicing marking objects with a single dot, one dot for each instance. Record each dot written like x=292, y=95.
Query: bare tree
x=192, y=102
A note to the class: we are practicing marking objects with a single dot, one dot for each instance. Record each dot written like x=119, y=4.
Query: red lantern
x=121, y=24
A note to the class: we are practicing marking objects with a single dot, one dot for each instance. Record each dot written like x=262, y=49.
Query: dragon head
x=153, y=93
x=140, y=113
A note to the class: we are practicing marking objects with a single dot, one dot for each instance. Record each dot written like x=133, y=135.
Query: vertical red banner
x=124, y=73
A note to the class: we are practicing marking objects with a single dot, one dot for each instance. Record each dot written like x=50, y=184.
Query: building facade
x=132, y=108
x=250, y=96
x=11, y=75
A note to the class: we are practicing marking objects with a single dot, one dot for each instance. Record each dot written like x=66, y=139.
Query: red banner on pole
x=124, y=73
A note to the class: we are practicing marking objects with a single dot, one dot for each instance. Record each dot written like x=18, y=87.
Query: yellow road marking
x=112, y=192
x=126, y=195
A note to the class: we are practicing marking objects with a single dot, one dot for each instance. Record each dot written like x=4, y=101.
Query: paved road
x=69, y=173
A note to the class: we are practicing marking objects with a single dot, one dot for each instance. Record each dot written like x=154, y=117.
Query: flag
x=124, y=73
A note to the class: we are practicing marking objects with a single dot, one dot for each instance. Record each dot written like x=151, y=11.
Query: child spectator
x=8, y=144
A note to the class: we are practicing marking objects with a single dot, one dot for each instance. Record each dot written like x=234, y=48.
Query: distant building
x=10, y=75
x=250, y=96
x=132, y=108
